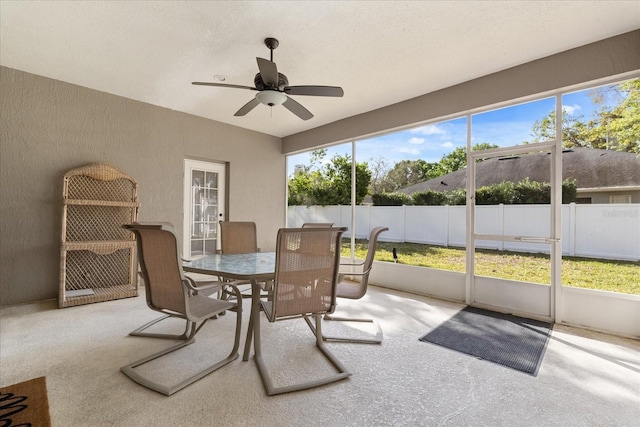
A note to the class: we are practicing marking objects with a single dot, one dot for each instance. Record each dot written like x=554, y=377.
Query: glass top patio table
x=255, y=267
x=251, y=266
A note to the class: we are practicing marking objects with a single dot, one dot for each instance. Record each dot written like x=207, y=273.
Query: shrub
x=391, y=199
x=507, y=193
x=496, y=194
x=569, y=191
x=531, y=192
x=457, y=197
x=429, y=198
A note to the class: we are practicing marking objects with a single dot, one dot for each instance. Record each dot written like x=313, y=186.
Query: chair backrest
x=160, y=265
x=371, y=250
x=305, y=281
x=358, y=290
x=310, y=245
x=238, y=237
x=317, y=225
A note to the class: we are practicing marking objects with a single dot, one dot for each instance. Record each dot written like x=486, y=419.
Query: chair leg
x=129, y=370
x=375, y=340
x=271, y=390
x=188, y=333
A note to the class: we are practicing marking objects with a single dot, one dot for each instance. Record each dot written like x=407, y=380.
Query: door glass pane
x=211, y=213
x=212, y=180
x=197, y=247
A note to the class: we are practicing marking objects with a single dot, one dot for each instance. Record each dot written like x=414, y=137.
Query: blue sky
x=504, y=127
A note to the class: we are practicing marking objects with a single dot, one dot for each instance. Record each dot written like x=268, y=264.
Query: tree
x=379, y=168
x=405, y=173
x=410, y=172
x=614, y=127
x=455, y=160
x=619, y=127
x=328, y=184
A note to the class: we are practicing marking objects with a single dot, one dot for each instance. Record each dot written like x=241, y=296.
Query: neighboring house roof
x=591, y=168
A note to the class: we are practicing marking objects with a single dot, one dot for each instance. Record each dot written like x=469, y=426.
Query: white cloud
x=429, y=130
x=409, y=150
x=416, y=141
x=571, y=109
x=447, y=144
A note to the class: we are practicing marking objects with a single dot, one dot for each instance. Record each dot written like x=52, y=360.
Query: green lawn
x=606, y=275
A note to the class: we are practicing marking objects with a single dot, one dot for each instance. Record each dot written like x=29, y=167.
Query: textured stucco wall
x=49, y=127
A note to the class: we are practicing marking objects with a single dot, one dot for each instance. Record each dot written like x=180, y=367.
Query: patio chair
x=239, y=237
x=172, y=293
x=207, y=284
x=356, y=290
x=317, y=225
x=304, y=286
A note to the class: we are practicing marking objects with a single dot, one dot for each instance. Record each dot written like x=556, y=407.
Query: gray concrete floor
x=586, y=378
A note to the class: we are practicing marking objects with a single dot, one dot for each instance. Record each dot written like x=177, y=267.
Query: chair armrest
x=350, y=266
x=183, y=259
x=237, y=293
x=354, y=264
x=193, y=285
x=351, y=274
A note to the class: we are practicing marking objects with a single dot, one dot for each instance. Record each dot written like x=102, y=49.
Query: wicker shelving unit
x=97, y=256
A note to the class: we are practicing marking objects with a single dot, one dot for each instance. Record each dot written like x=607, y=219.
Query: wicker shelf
x=104, y=247
x=102, y=294
x=101, y=203
x=97, y=256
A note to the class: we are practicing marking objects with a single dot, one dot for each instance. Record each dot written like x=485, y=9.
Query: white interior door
x=204, y=198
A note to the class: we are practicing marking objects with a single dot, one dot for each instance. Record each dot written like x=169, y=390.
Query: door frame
x=221, y=168
x=545, y=310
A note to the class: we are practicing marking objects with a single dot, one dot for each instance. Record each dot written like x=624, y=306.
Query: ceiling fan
x=273, y=88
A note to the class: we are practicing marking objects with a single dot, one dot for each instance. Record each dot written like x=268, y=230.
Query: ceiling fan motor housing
x=282, y=82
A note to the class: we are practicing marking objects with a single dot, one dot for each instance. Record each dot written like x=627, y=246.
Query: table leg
x=253, y=318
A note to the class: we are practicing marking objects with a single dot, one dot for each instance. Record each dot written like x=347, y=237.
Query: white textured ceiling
x=380, y=52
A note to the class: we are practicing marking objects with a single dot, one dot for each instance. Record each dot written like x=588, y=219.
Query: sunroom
x=56, y=116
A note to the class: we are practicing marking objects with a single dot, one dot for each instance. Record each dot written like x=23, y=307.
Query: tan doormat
x=25, y=404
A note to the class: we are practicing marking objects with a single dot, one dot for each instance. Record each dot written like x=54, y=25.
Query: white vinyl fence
x=609, y=231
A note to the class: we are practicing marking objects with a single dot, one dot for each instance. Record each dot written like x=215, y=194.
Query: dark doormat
x=511, y=341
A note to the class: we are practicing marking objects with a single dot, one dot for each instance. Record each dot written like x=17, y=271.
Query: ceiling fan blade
x=314, y=90
x=247, y=107
x=223, y=85
x=297, y=109
x=268, y=71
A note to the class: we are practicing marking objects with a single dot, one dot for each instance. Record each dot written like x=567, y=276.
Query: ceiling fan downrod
x=271, y=43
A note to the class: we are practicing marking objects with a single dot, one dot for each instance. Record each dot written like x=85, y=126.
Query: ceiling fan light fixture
x=271, y=97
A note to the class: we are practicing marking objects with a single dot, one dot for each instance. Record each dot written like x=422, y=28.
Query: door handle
x=536, y=239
